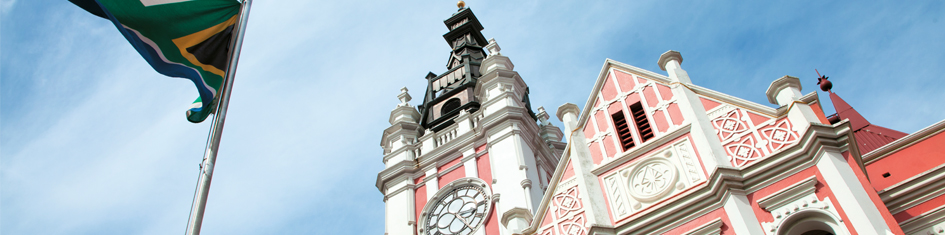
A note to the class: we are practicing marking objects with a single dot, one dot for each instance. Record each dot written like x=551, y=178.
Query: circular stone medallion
x=652, y=179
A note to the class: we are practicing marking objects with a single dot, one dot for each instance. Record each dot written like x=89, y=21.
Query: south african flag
x=179, y=38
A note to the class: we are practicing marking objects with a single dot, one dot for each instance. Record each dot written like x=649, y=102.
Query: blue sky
x=93, y=141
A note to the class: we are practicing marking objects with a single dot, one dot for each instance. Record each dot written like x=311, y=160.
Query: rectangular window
x=623, y=130
x=643, y=123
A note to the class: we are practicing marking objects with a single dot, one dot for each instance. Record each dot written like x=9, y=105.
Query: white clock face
x=460, y=211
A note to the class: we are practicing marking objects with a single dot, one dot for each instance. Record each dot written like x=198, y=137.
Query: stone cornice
x=396, y=128
x=399, y=111
x=903, y=142
x=809, y=99
x=668, y=56
x=915, y=190
x=921, y=222
x=515, y=212
x=780, y=84
x=788, y=194
x=401, y=169
x=708, y=196
x=398, y=191
x=567, y=108
x=394, y=153
x=767, y=171
x=495, y=76
x=504, y=116
x=712, y=227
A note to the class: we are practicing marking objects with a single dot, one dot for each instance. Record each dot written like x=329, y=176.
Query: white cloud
x=7, y=6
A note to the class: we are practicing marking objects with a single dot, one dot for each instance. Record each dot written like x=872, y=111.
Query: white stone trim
x=712, y=227
x=782, y=90
x=796, y=216
x=837, y=174
x=432, y=183
x=925, y=223
x=915, y=190
x=903, y=142
x=935, y=229
x=472, y=169
x=740, y=214
x=805, y=201
x=789, y=194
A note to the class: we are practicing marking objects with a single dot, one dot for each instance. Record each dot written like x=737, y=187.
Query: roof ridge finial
x=825, y=85
x=461, y=4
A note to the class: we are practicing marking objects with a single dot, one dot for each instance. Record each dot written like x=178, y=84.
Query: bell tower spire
x=452, y=91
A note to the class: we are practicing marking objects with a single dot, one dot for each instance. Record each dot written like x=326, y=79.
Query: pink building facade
x=649, y=153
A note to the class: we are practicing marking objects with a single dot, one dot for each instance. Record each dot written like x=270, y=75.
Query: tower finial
x=822, y=81
x=461, y=4
x=404, y=97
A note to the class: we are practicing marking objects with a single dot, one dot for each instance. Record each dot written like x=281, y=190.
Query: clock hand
x=463, y=219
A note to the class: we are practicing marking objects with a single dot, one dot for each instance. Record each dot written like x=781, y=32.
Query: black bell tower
x=452, y=91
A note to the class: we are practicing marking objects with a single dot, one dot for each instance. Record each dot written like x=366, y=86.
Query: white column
x=472, y=170
x=506, y=154
x=592, y=196
x=786, y=91
x=399, y=210
x=432, y=183
x=740, y=215
x=853, y=199
x=704, y=138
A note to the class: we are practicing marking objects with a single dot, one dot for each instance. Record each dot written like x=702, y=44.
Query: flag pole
x=216, y=129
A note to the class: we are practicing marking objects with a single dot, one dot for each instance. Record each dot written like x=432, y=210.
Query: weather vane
x=825, y=85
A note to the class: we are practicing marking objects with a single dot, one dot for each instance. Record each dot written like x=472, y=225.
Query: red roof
x=868, y=136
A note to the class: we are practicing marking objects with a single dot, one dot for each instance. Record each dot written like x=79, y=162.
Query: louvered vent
x=623, y=130
x=643, y=124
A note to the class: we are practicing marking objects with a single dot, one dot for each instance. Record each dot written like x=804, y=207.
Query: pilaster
x=397, y=142
x=399, y=207
x=591, y=195
x=853, y=199
x=704, y=138
x=740, y=214
x=786, y=91
x=514, y=141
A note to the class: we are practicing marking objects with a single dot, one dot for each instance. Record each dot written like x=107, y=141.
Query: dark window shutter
x=623, y=130
x=643, y=123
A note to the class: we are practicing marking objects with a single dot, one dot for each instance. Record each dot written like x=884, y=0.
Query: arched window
x=449, y=106
x=811, y=222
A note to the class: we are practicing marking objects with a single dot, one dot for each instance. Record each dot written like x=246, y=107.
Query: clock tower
x=472, y=157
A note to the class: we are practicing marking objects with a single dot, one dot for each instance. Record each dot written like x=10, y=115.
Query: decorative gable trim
x=604, y=73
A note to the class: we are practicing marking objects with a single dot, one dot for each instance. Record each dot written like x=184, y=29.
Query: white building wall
x=400, y=210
